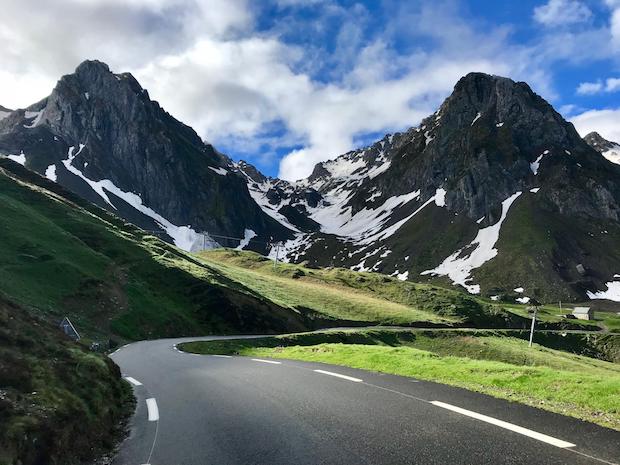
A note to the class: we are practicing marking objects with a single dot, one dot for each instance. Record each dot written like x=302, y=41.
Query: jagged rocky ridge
x=100, y=135
x=495, y=192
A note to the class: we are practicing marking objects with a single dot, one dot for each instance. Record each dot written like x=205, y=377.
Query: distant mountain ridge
x=493, y=192
x=610, y=150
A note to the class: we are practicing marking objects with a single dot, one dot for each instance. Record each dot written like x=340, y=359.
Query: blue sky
x=285, y=84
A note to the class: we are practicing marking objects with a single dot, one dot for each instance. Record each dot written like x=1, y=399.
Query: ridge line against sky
x=285, y=84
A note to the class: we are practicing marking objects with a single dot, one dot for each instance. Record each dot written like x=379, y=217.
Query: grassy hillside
x=63, y=256
x=373, y=297
x=490, y=362
x=59, y=403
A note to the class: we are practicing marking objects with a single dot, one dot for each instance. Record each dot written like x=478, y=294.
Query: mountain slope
x=494, y=191
x=610, y=150
x=99, y=135
x=64, y=256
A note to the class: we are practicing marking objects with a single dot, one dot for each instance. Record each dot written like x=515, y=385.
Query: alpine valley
x=494, y=192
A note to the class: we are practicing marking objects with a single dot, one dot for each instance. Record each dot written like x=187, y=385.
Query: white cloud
x=43, y=40
x=591, y=88
x=605, y=122
x=252, y=92
x=562, y=12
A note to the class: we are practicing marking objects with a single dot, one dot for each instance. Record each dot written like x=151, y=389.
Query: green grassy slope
x=67, y=257
x=489, y=362
x=373, y=297
x=59, y=403
x=540, y=250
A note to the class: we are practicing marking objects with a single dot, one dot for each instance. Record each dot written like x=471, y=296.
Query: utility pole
x=535, y=305
x=275, y=263
x=532, y=328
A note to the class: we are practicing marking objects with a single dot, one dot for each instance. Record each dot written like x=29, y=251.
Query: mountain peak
x=92, y=66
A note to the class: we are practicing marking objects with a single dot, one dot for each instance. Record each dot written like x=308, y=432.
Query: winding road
x=205, y=409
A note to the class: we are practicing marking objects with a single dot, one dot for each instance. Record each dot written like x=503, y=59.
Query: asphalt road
x=202, y=410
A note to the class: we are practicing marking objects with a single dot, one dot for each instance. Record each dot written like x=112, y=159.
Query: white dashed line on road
x=221, y=356
x=338, y=375
x=266, y=361
x=133, y=381
x=503, y=424
x=151, y=405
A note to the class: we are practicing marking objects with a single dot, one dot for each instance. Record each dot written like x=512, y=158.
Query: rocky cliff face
x=494, y=191
x=100, y=134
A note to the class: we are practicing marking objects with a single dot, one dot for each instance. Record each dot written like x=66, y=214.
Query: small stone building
x=583, y=313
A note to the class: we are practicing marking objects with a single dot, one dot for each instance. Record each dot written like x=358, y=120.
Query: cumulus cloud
x=598, y=87
x=562, y=12
x=304, y=88
x=48, y=39
x=605, y=122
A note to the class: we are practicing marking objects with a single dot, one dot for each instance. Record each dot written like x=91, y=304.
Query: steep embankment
x=59, y=403
x=64, y=256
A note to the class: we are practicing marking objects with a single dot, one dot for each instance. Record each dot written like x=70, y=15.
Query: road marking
x=221, y=356
x=133, y=381
x=266, y=361
x=338, y=375
x=502, y=424
x=151, y=405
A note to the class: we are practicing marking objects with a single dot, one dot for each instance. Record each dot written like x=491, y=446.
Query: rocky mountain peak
x=610, y=150
x=598, y=142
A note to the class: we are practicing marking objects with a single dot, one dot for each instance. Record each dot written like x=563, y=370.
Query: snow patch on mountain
x=35, y=116
x=611, y=293
x=536, y=164
x=613, y=154
x=459, y=266
x=50, y=173
x=184, y=237
x=21, y=158
x=219, y=170
x=248, y=235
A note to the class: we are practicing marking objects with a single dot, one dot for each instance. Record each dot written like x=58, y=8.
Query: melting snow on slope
x=184, y=237
x=613, y=154
x=612, y=292
x=439, y=199
x=536, y=164
x=522, y=300
x=519, y=290
x=460, y=264
x=50, y=173
x=219, y=170
x=402, y=276
x=370, y=221
x=248, y=235
x=33, y=114
x=21, y=158
x=476, y=118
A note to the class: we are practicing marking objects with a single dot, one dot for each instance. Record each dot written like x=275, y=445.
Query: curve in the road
x=238, y=410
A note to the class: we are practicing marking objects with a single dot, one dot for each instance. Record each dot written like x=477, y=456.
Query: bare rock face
x=128, y=139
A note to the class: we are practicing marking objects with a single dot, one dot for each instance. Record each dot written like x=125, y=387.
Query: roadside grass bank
x=59, y=403
x=489, y=362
